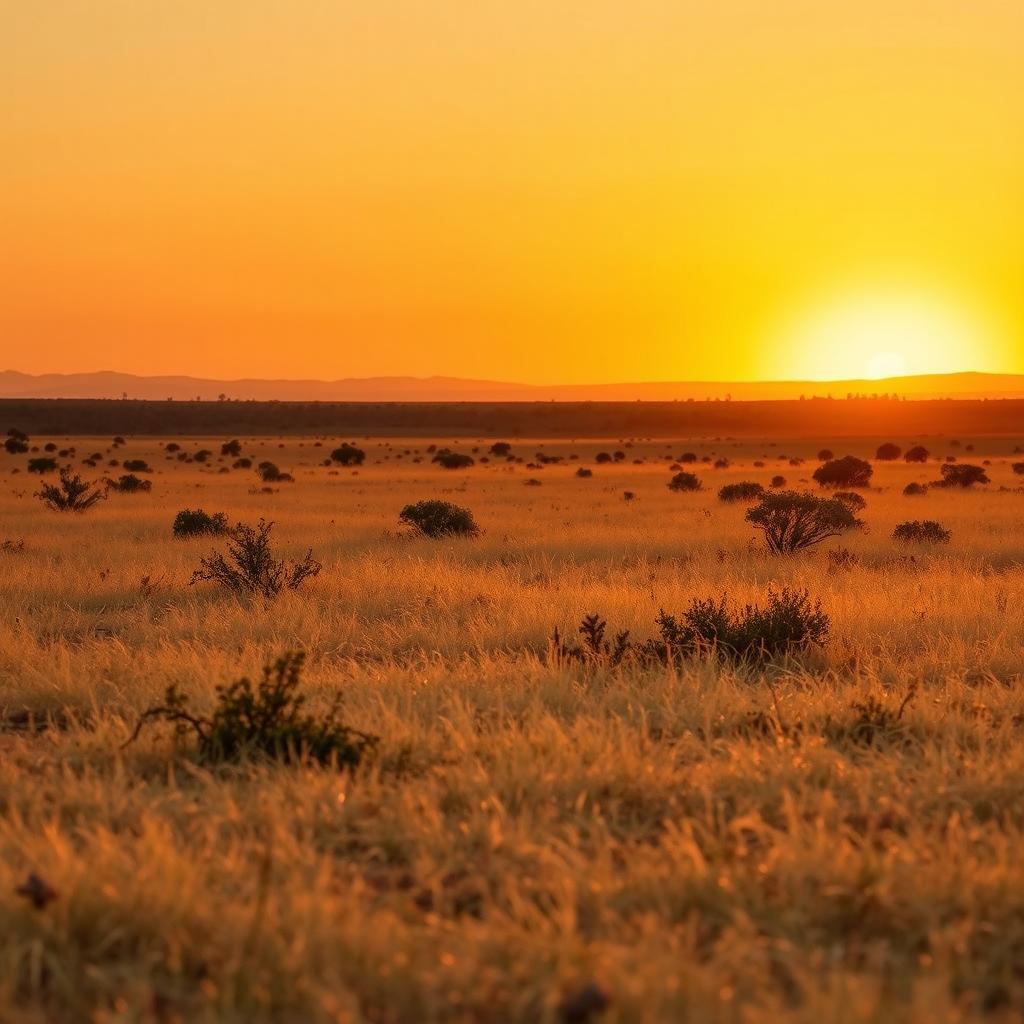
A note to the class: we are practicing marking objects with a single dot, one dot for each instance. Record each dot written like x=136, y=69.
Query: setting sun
x=879, y=333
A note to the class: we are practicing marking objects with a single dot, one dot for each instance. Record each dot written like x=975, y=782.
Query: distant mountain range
x=110, y=384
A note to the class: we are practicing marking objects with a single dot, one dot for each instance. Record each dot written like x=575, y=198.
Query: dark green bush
x=849, y=471
x=439, y=519
x=267, y=720
x=791, y=521
x=745, y=490
x=921, y=531
x=197, y=523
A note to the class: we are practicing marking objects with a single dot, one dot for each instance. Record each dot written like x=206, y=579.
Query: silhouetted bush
x=849, y=471
x=242, y=463
x=501, y=448
x=825, y=455
x=15, y=446
x=271, y=474
x=852, y=500
x=453, y=460
x=684, y=482
x=915, y=490
x=197, y=523
x=42, y=465
x=136, y=466
x=778, y=481
x=439, y=519
x=687, y=457
x=961, y=475
x=921, y=531
x=791, y=521
x=603, y=457
x=584, y=473
x=248, y=565
x=231, y=448
x=265, y=720
x=917, y=454
x=203, y=455
x=745, y=490
x=73, y=494
x=888, y=452
x=348, y=455
x=129, y=483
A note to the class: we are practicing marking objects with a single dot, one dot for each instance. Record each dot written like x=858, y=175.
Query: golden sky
x=544, y=190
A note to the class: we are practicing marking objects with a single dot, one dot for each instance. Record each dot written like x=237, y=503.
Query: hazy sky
x=541, y=191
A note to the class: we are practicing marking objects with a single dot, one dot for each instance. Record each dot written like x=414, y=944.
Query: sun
x=879, y=333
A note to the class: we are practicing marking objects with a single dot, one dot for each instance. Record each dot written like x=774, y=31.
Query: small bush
x=791, y=521
x=852, y=500
x=594, y=647
x=455, y=460
x=603, y=457
x=849, y=471
x=913, y=490
x=961, y=475
x=584, y=473
x=684, y=482
x=501, y=448
x=15, y=446
x=267, y=719
x=440, y=519
x=197, y=523
x=917, y=454
x=348, y=455
x=231, y=448
x=203, y=455
x=825, y=455
x=242, y=463
x=921, y=531
x=888, y=452
x=746, y=490
x=270, y=474
x=73, y=494
x=129, y=483
x=136, y=466
x=249, y=567
x=42, y=465
x=778, y=481
x=1018, y=468
x=687, y=457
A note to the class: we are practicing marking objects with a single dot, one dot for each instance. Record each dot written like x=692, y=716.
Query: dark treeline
x=809, y=418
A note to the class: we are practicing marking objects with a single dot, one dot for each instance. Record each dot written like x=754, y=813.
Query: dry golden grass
x=709, y=844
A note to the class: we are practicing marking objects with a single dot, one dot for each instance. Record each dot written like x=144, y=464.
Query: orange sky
x=537, y=191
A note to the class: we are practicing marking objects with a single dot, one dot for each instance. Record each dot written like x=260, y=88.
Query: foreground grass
x=708, y=844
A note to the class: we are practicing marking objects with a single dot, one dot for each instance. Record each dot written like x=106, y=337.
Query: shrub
x=778, y=481
x=825, y=455
x=791, y=521
x=532, y=482
x=15, y=446
x=687, y=457
x=921, y=531
x=501, y=448
x=267, y=719
x=917, y=454
x=270, y=474
x=249, y=567
x=603, y=457
x=129, y=483
x=202, y=455
x=49, y=447
x=197, y=523
x=439, y=519
x=455, y=460
x=584, y=473
x=888, y=452
x=915, y=490
x=628, y=495
x=73, y=494
x=684, y=482
x=745, y=490
x=231, y=448
x=961, y=475
x=853, y=501
x=136, y=465
x=849, y=471
x=348, y=455
x=594, y=647
x=242, y=464
x=789, y=621
x=42, y=465
x=721, y=464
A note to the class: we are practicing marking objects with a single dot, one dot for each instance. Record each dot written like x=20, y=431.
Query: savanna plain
x=541, y=830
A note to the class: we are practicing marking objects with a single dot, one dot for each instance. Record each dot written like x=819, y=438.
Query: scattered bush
x=594, y=647
x=440, y=519
x=687, y=457
x=778, y=481
x=453, y=460
x=197, y=523
x=249, y=567
x=888, y=452
x=684, y=482
x=917, y=454
x=921, y=531
x=129, y=483
x=791, y=521
x=231, y=448
x=501, y=448
x=242, y=464
x=136, y=466
x=73, y=494
x=961, y=475
x=203, y=455
x=584, y=473
x=16, y=446
x=628, y=495
x=849, y=471
x=348, y=455
x=1018, y=468
x=745, y=490
x=852, y=500
x=264, y=720
x=270, y=474
x=42, y=465
x=603, y=457
x=825, y=455
x=913, y=490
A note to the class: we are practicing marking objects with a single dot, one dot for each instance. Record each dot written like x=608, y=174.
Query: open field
x=711, y=841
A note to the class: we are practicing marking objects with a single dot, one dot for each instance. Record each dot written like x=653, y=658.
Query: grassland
x=711, y=842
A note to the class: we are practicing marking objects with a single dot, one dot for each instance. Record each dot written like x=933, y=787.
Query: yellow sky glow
x=577, y=191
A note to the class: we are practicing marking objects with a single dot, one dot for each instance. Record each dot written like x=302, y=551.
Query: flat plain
x=829, y=836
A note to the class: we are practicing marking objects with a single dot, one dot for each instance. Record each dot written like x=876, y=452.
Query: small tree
x=745, y=490
x=961, y=475
x=849, y=471
x=249, y=566
x=917, y=454
x=73, y=494
x=791, y=521
x=888, y=452
x=684, y=482
x=348, y=455
x=439, y=519
x=852, y=500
